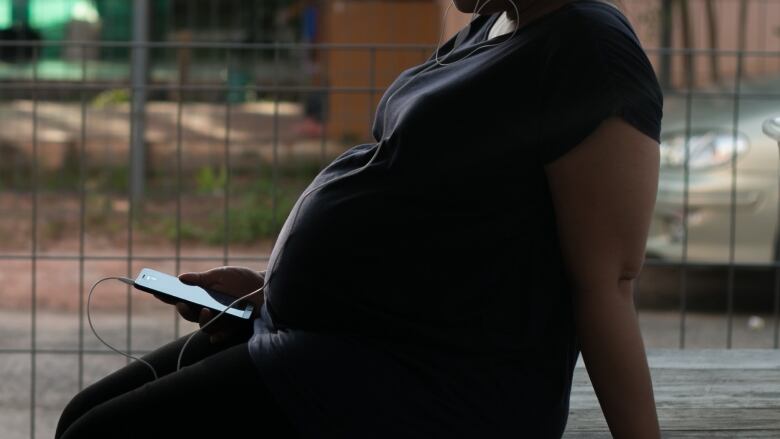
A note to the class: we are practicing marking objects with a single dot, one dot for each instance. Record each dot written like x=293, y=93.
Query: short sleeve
x=595, y=69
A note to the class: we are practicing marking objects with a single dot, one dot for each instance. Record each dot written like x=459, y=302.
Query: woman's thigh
x=136, y=374
x=220, y=396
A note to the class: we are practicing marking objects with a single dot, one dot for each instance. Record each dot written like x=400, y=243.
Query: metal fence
x=97, y=180
x=103, y=175
x=725, y=242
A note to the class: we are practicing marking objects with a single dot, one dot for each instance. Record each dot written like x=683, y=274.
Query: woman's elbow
x=608, y=280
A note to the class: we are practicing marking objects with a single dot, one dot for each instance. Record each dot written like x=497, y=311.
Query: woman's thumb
x=191, y=278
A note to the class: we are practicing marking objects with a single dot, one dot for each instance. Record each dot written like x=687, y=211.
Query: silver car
x=731, y=188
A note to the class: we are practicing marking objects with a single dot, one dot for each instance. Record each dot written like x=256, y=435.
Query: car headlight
x=706, y=149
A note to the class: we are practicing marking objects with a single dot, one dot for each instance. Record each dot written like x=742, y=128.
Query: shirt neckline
x=491, y=20
x=504, y=20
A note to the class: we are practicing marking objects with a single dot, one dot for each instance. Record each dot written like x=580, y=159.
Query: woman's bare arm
x=604, y=192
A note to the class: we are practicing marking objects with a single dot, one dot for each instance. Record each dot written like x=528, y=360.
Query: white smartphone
x=155, y=282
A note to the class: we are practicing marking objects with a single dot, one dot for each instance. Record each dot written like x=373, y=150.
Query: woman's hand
x=233, y=281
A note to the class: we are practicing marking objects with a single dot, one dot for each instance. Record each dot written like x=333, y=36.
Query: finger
x=205, y=317
x=187, y=312
x=224, y=332
x=221, y=327
x=165, y=299
x=206, y=279
x=191, y=278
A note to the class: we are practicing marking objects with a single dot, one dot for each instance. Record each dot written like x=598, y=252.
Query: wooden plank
x=699, y=393
x=714, y=359
x=711, y=359
x=708, y=388
x=693, y=419
x=670, y=434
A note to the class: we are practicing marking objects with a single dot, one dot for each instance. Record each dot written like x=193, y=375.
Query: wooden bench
x=714, y=393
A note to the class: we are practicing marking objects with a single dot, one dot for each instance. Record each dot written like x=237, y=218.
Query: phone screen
x=156, y=282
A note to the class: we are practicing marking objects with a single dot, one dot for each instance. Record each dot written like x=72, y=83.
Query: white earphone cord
x=213, y=319
x=130, y=282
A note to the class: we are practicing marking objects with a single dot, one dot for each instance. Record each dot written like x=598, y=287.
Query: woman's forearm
x=615, y=358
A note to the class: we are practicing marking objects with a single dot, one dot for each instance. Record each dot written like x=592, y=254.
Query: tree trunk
x=742, y=38
x=743, y=18
x=665, y=69
x=712, y=33
x=687, y=37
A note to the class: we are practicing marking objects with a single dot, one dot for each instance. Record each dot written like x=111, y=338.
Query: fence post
x=138, y=79
x=665, y=70
x=771, y=128
x=20, y=12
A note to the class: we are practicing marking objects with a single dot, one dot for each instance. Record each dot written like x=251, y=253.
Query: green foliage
x=54, y=229
x=65, y=178
x=188, y=231
x=111, y=97
x=98, y=210
x=252, y=218
x=260, y=200
x=211, y=181
x=118, y=178
x=257, y=208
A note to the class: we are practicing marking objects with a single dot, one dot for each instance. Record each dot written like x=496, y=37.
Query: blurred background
x=177, y=134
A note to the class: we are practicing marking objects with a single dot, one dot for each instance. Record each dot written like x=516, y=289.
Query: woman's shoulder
x=591, y=24
x=595, y=38
x=594, y=67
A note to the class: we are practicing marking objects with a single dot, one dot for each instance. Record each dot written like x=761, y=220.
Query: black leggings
x=218, y=395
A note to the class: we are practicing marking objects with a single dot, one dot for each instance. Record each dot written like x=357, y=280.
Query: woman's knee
x=94, y=421
x=76, y=408
x=121, y=381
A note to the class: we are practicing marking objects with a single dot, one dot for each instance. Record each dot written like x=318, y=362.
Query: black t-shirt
x=417, y=288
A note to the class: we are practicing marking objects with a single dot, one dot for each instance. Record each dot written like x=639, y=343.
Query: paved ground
x=57, y=375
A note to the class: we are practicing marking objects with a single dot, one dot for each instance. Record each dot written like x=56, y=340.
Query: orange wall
x=352, y=73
